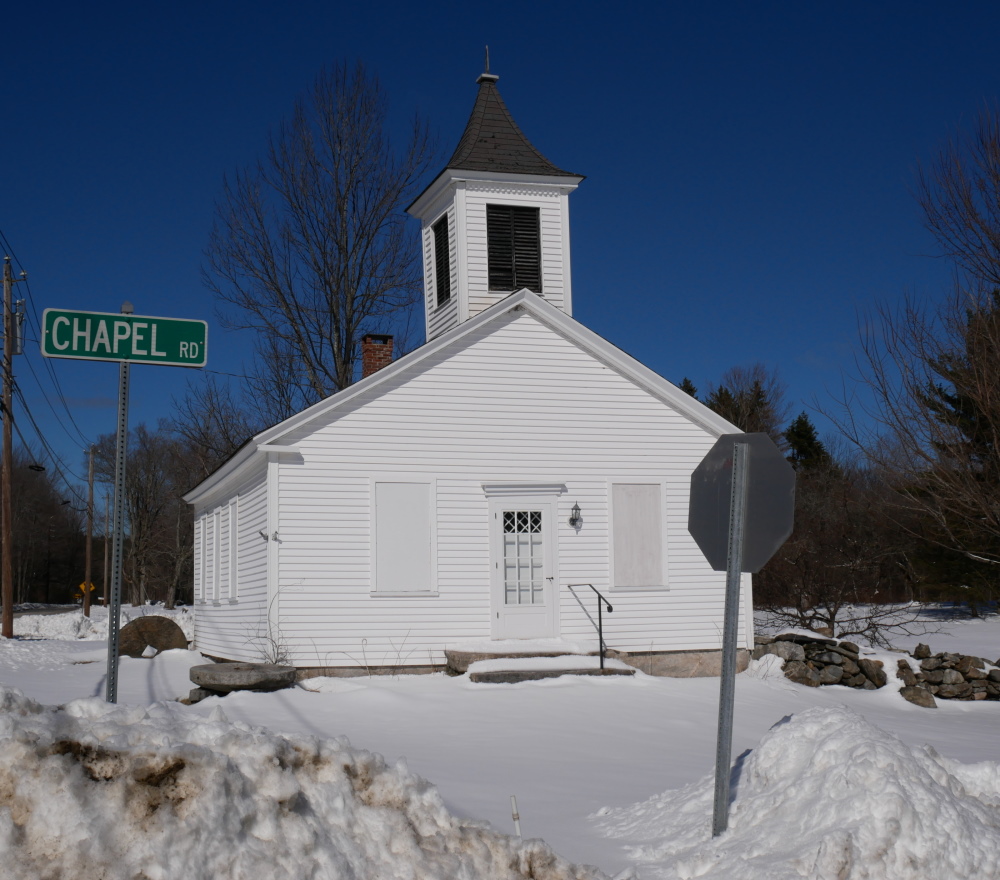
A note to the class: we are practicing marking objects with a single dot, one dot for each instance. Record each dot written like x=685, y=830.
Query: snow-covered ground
x=616, y=772
x=69, y=622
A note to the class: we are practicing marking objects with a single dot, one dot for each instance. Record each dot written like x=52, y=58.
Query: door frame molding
x=544, y=496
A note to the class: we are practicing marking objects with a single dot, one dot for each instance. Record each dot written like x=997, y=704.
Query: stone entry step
x=510, y=670
x=513, y=676
x=459, y=657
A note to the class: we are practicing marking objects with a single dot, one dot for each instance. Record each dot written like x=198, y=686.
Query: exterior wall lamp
x=574, y=516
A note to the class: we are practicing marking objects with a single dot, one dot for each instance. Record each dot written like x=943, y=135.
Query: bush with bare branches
x=844, y=571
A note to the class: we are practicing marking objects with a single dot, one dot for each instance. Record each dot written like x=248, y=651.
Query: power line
x=79, y=434
x=60, y=394
x=24, y=443
x=32, y=315
x=58, y=464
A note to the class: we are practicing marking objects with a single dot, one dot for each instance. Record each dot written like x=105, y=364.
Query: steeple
x=492, y=140
x=495, y=220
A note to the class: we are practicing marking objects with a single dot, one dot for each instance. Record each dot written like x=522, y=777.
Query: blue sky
x=750, y=166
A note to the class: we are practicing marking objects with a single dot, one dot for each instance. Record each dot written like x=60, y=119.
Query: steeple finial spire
x=486, y=76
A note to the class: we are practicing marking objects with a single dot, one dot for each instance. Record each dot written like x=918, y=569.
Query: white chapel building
x=466, y=492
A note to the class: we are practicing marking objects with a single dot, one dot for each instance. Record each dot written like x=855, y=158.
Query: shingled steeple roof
x=493, y=142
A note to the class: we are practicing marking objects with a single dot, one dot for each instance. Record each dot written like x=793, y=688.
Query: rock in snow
x=97, y=791
x=825, y=795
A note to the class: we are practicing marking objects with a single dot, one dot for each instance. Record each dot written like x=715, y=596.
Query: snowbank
x=73, y=625
x=826, y=794
x=98, y=791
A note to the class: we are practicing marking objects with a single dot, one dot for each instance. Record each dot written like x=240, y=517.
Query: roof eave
x=455, y=175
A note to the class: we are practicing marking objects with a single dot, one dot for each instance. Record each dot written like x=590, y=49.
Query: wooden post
x=7, y=467
x=90, y=535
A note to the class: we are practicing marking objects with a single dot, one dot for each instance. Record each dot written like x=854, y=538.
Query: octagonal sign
x=770, y=501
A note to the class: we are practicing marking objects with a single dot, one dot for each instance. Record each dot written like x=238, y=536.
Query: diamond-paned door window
x=522, y=557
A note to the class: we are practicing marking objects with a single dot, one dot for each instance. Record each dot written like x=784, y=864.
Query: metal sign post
x=741, y=511
x=118, y=539
x=127, y=339
x=727, y=690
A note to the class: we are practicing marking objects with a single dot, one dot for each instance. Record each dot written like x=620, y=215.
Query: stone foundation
x=681, y=664
x=668, y=664
x=306, y=672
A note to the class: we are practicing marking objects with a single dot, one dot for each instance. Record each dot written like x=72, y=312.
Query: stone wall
x=816, y=661
x=949, y=676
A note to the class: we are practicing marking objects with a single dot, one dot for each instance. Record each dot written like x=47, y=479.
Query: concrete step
x=459, y=661
x=512, y=676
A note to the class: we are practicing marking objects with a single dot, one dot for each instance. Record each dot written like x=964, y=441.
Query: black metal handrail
x=600, y=616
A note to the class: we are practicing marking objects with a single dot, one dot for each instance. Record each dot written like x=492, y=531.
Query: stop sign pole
x=742, y=510
x=727, y=689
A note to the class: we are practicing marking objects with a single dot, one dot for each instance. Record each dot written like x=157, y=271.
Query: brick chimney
x=376, y=352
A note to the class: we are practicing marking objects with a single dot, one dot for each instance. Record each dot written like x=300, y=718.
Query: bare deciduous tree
x=933, y=424
x=158, y=549
x=753, y=399
x=49, y=542
x=213, y=424
x=310, y=248
x=960, y=196
x=930, y=393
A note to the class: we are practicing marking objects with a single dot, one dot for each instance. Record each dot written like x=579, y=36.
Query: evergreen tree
x=964, y=399
x=805, y=449
x=687, y=386
x=752, y=398
x=963, y=395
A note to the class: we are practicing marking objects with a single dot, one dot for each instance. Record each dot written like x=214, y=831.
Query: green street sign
x=105, y=336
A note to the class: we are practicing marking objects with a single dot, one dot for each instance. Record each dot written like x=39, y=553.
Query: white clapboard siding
x=513, y=401
x=233, y=625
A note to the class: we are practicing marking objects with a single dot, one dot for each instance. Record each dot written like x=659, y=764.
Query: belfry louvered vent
x=515, y=253
x=442, y=265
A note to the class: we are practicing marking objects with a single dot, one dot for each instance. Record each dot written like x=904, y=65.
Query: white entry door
x=524, y=570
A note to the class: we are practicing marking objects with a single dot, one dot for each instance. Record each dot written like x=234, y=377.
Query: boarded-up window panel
x=402, y=537
x=513, y=247
x=442, y=265
x=638, y=534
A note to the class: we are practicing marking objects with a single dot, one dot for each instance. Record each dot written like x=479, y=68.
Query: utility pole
x=87, y=586
x=6, y=465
